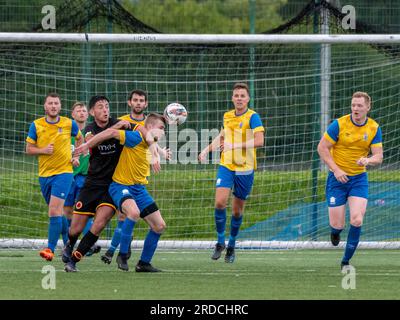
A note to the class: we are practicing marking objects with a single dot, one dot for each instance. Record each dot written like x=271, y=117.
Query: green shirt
x=83, y=162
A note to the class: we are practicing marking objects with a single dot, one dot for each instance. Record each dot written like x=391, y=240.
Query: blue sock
x=352, y=242
x=149, y=246
x=88, y=226
x=64, y=229
x=235, y=226
x=55, y=227
x=220, y=221
x=116, y=238
x=126, y=235
x=336, y=231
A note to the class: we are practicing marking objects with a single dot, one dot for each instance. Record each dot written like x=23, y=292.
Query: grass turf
x=192, y=275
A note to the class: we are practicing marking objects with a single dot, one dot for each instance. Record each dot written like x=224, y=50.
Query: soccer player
x=137, y=101
x=128, y=189
x=80, y=114
x=49, y=138
x=345, y=148
x=241, y=134
x=94, y=197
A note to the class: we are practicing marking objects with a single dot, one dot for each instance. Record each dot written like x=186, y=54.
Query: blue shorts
x=57, y=185
x=138, y=192
x=76, y=186
x=337, y=192
x=241, y=181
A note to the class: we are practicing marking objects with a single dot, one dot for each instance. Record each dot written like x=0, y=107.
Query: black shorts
x=92, y=197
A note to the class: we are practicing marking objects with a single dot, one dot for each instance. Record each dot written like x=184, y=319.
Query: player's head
x=137, y=100
x=156, y=123
x=240, y=96
x=52, y=104
x=99, y=108
x=79, y=112
x=360, y=105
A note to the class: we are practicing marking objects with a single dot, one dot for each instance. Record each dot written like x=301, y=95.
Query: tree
x=205, y=16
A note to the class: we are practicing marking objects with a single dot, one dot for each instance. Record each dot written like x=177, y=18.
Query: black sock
x=84, y=246
x=72, y=240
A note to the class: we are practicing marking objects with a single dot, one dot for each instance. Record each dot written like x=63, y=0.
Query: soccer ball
x=175, y=113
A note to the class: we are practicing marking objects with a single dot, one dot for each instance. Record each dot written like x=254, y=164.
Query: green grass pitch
x=192, y=275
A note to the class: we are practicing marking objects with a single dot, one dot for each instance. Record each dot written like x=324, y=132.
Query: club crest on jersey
x=78, y=205
x=241, y=125
x=59, y=130
x=365, y=137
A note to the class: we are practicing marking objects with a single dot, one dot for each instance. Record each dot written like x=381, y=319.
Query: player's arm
x=256, y=142
x=214, y=145
x=75, y=132
x=31, y=148
x=96, y=139
x=122, y=124
x=324, y=151
x=376, y=151
x=375, y=159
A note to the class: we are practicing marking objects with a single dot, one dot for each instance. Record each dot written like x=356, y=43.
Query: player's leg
x=99, y=200
x=336, y=198
x=243, y=183
x=77, y=225
x=104, y=213
x=152, y=216
x=123, y=198
x=157, y=226
x=84, y=209
x=223, y=186
x=115, y=240
x=68, y=210
x=358, y=200
x=54, y=189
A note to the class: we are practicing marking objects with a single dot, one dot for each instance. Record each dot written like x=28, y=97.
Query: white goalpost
x=298, y=86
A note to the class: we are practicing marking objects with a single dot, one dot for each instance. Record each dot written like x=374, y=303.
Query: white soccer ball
x=175, y=113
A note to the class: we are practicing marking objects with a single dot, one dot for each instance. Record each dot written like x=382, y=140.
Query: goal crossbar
x=16, y=37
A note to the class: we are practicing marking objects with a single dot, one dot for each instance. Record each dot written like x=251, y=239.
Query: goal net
x=287, y=206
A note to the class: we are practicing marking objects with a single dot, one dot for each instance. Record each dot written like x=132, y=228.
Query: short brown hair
x=153, y=117
x=241, y=85
x=139, y=93
x=77, y=104
x=53, y=95
x=361, y=94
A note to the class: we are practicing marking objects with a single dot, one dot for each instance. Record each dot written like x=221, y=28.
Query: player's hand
x=122, y=124
x=88, y=136
x=82, y=149
x=341, y=176
x=155, y=164
x=75, y=161
x=166, y=153
x=202, y=156
x=363, y=161
x=49, y=149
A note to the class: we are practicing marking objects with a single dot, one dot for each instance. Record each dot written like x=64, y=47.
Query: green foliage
x=207, y=16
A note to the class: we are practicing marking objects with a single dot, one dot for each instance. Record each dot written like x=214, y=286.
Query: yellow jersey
x=352, y=142
x=42, y=133
x=134, y=164
x=128, y=117
x=237, y=129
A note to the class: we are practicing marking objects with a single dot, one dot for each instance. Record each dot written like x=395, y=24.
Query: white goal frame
x=13, y=37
